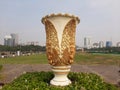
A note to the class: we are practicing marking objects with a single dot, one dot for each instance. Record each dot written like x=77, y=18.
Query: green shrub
x=40, y=81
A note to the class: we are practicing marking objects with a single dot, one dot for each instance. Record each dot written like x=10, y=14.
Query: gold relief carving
x=68, y=42
x=60, y=56
x=52, y=46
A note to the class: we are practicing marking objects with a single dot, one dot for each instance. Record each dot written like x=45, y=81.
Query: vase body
x=60, y=45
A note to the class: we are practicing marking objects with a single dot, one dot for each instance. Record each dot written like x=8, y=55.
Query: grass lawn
x=94, y=58
x=80, y=58
x=32, y=59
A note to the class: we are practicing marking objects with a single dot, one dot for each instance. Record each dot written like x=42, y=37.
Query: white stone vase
x=60, y=45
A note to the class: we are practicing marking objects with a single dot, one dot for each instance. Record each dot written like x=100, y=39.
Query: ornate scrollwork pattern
x=60, y=56
x=68, y=42
x=52, y=46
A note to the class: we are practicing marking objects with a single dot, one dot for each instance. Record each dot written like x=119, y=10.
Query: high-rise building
x=11, y=40
x=14, y=39
x=87, y=42
x=118, y=44
x=108, y=43
x=8, y=40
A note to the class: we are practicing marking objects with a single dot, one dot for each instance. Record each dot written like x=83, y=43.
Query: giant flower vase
x=60, y=45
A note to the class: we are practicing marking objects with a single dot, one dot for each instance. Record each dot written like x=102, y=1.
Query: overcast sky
x=100, y=19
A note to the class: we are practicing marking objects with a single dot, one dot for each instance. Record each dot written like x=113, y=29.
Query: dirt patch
x=12, y=71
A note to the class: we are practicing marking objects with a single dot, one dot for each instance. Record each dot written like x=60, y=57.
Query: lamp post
x=60, y=45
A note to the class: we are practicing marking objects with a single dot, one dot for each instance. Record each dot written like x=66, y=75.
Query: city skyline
x=87, y=42
x=99, y=19
x=11, y=40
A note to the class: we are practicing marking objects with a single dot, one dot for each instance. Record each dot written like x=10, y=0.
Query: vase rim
x=60, y=14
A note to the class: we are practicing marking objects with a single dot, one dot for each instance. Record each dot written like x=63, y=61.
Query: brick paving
x=108, y=72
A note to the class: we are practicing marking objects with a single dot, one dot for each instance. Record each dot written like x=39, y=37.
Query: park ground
x=105, y=65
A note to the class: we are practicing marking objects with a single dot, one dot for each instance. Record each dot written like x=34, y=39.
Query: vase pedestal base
x=60, y=78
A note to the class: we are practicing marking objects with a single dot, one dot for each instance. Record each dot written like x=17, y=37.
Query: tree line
x=25, y=48
x=37, y=48
x=114, y=50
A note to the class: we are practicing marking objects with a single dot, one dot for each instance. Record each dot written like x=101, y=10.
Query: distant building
x=118, y=44
x=11, y=40
x=33, y=43
x=101, y=44
x=95, y=45
x=108, y=43
x=14, y=39
x=87, y=42
x=8, y=40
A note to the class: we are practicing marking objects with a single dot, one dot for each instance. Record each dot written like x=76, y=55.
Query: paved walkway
x=12, y=71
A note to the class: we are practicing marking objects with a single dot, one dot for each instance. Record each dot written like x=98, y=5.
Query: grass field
x=80, y=58
x=32, y=59
x=94, y=58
